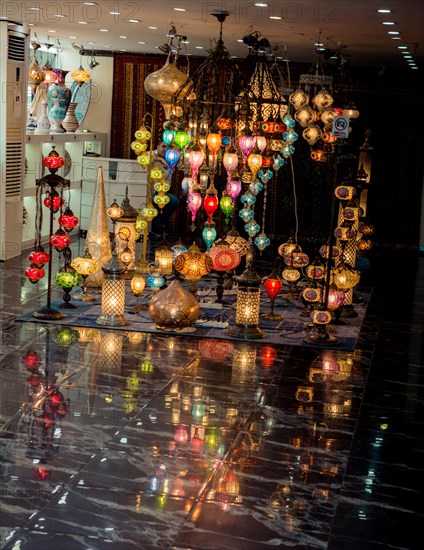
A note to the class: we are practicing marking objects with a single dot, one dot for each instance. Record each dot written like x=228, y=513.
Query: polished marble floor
x=130, y=440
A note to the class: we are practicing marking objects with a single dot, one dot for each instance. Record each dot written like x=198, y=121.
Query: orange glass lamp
x=194, y=265
x=273, y=286
x=247, y=307
x=224, y=259
x=138, y=284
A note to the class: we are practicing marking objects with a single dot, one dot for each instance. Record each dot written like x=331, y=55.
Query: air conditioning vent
x=13, y=171
x=16, y=47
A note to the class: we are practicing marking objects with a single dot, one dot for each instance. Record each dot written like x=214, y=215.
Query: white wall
x=99, y=114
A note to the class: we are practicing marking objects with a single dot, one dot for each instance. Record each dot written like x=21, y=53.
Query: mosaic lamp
x=224, y=259
x=67, y=278
x=247, y=307
x=85, y=265
x=194, y=265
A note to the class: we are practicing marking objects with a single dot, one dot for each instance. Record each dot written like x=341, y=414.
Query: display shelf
x=71, y=146
x=118, y=174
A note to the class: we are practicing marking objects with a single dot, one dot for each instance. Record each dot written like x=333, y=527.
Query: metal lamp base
x=246, y=333
x=321, y=340
x=111, y=320
x=271, y=316
x=83, y=297
x=48, y=313
x=348, y=312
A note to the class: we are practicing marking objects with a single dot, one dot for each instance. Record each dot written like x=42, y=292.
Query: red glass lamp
x=39, y=257
x=60, y=240
x=67, y=220
x=53, y=201
x=34, y=274
x=210, y=204
x=273, y=286
x=53, y=161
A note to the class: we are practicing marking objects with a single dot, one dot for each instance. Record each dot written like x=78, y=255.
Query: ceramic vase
x=174, y=307
x=70, y=122
x=43, y=126
x=31, y=124
x=58, y=99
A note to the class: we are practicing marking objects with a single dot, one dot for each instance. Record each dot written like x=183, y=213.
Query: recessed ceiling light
x=60, y=15
x=396, y=38
x=403, y=47
x=393, y=32
x=153, y=28
x=134, y=21
x=51, y=30
x=383, y=10
x=275, y=17
x=199, y=47
x=239, y=40
x=72, y=36
x=104, y=30
x=407, y=56
x=405, y=53
x=261, y=4
x=82, y=22
x=89, y=3
x=141, y=42
x=179, y=9
x=388, y=23
x=319, y=44
x=90, y=42
x=415, y=67
x=123, y=36
x=115, y=13
x=3, y=17
x=35, y=9
x=185, y=42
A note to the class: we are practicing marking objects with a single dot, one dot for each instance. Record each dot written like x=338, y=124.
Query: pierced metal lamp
x=247, y=307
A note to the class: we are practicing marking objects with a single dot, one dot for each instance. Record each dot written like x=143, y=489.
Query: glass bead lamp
x=321, y=317
x=247, y=307
x=233, y=188
x=345, y=277
x=67, y=278
x=227, y=206
x=224, y=259
x=209, y=234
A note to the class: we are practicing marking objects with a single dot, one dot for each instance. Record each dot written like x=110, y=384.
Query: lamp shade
x=224, y=258
x=273, y=285
x=193, y=264
x=163, y=259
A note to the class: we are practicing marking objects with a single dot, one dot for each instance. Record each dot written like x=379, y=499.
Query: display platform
x=214, y=320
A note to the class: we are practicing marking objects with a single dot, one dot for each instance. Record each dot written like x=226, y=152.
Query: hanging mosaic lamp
x=254, y=162
x=68, y=220
x=196, y=158
x=233, y=188
x=262, y=241
x=177, y=249
x=60, y=240
x=227, y=206
x=181, y=139
x=53, y=201
x=246, y=143
x=194, y=202
x=168, y=136
x=252, y=228
x=39, y=257
x=194, y=265
x=172, y=156
x=210, y=202
x=230, y=161
x=34, y=274
x=209, y=234
x=236, y=242
x=53, y=161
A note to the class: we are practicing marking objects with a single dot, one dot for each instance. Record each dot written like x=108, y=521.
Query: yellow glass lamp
x=80, y=75
x=85, y=266
x=345, y=277
x=138, y=284
x=163, y=259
